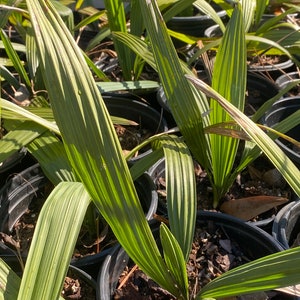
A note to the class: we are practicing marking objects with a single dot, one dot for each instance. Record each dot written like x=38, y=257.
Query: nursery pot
x=157, y=171
x=196, y=24
x=15, y=198
x=213, y=31
x=259, y=90
x=283, y=80
x=162, y=101
x=253, y=242
x=86, y=288
x=17, y=194
x=144, y=115
x=15, y=163
x=280, y=110
x=286, y=225
x=256, y=64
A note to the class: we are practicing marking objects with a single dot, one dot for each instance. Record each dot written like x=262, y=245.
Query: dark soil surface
x=265, y=60
x=76, y=288
x=131, y=136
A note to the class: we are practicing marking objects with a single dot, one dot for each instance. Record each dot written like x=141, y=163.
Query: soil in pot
x=89, y=252
x=208, y=259
x=131, y=136
x=271, y=66
x=78, y=285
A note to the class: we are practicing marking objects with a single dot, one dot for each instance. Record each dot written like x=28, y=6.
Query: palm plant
x=216, y=153
x=95, y=156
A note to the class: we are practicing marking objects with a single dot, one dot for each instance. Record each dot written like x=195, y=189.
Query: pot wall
x=17, y=194
x=286, y=226
x=279, y=111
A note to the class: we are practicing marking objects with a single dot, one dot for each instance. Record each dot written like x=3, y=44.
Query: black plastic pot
x=280, y=110
x=141, y=113
x=147, y=193
x=213, y=31
x=157, y=171
x=268, y=70
x=259, y=90
x=194, y=25
x=84, y=277
x=17, y=194
x=162, y=101
x=283, y=80
x=15, y=198
x=253, y=241
x=11, y=258
x=286, y=225
x=15, y=163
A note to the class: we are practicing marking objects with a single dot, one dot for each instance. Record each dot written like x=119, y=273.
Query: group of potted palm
x=71, y=134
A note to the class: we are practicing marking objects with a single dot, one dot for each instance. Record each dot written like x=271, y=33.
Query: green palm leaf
x=12, y=54
x=15, y=139
x=53, y=242
x=181, y=96
x=117, y=22
x=181, y=190
x=10, y=282
x=275, y=271
x=285, y=166
x=229, y=79
x=15, y=109
x=91, y=142
x=51, y=155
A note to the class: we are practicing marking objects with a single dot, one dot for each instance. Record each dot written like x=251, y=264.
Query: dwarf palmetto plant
x=216, y=153
x=272, y=35
x=95, y=155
